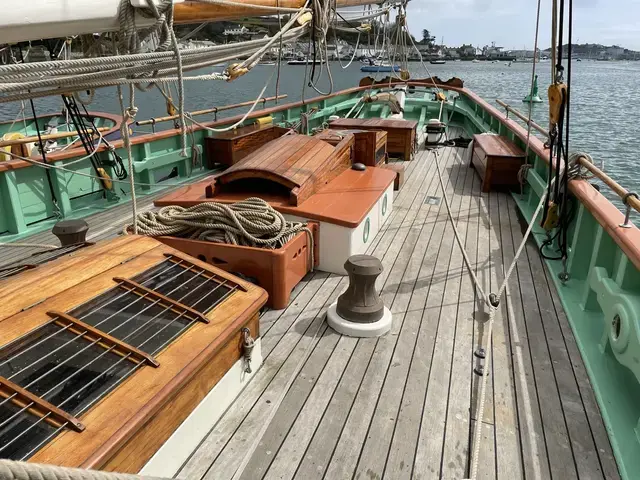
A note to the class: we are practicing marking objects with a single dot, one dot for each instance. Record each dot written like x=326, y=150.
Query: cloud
x=511, y=23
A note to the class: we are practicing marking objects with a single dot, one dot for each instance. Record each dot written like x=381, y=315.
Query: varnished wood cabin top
x=69, y=281
x=344, y=201
x=497, y=146
x=299, y=163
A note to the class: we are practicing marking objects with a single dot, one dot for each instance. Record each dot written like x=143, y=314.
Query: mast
x=38, y=19
x=194, y=12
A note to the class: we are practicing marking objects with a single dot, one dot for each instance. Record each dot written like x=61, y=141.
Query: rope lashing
x=251, y=222
x=12, y=470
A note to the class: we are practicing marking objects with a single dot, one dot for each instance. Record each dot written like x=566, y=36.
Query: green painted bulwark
x=601, y=300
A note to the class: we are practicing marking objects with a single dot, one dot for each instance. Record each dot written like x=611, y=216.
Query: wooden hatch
x=293, y=166
x=106, y=351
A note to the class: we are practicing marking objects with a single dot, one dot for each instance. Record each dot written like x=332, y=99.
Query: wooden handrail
x=622, y=192
x=212, y=110
x=38, y=406
x=523, y=117
x=44, y=137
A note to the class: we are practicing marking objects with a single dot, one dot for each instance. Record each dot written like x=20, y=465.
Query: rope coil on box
x=251, y=222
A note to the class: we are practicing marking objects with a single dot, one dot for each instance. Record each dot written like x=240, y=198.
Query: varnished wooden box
x=230, y=147
x=278, y=271
x=370, y=145
x=497, y=160
x=401, y=134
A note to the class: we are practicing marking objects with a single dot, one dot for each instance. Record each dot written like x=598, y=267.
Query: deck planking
x=404, y=405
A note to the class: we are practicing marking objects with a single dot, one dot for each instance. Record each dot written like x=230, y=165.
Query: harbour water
x=603, y=119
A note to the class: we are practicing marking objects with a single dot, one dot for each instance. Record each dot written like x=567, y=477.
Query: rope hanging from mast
x=559, y=207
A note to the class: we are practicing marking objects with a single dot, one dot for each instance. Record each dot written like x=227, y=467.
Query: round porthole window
x=384, y=204
x=365, y=232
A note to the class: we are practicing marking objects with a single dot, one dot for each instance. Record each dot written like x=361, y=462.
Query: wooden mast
x=54, y=19
x=194, y=12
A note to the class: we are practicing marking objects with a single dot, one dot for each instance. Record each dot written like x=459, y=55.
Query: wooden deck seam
x=577, y=364
x=553, y=367
x=457, y=284
x=466, y=283
x=452, y=183
x=320, y=373
x=329, y=404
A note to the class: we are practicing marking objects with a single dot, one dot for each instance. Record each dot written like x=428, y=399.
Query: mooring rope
x=251, y=222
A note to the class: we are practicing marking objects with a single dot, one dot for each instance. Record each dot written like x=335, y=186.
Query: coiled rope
x=251, y=222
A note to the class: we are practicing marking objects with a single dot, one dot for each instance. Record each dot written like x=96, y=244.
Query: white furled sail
x=37, y=19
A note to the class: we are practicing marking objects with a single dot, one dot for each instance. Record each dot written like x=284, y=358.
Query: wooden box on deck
x=370, y=145
x=230, y=147
x=401, y=134
x=497, y=160
x=277, y=270
x=399, y=169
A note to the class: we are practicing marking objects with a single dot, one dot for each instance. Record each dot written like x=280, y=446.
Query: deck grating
x=404, y=405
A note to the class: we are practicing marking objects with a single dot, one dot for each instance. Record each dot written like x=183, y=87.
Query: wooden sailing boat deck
x=404, y=405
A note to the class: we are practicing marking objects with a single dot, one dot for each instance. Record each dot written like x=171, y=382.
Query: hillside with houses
x=346, y=46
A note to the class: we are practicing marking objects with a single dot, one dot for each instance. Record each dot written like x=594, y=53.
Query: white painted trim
x=355, y=329
x=176, y=450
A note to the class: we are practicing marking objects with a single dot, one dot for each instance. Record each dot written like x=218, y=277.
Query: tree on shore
x=427, y=38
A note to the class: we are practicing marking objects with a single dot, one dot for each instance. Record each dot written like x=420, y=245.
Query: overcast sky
x=511, y=23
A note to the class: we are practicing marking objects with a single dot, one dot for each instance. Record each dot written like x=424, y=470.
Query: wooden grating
x=57, y=371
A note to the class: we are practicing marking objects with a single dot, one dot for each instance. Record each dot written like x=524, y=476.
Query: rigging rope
x=526, y=166
x=492, y=300
x=12, y=470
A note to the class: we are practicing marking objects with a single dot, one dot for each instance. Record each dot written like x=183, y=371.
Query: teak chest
x=228, y=148
x=497, y=160
x=370, y=145
x=401, y=134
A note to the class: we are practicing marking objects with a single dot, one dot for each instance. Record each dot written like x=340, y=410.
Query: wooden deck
x=404, y=405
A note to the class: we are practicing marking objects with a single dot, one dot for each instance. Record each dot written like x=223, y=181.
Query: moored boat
x=380, y=67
